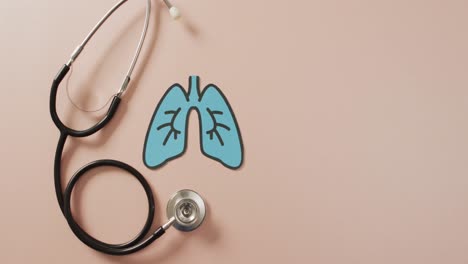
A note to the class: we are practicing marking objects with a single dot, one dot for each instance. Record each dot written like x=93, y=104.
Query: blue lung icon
x=220, y=137
x=165, y=139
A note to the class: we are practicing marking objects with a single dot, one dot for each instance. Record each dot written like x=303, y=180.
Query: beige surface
x=353, y=113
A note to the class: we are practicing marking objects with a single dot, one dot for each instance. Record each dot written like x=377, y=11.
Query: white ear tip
x=175, y=13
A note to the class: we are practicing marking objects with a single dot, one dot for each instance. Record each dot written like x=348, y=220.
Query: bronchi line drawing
x=220, y=137
x=216, y=125
x=170, y=124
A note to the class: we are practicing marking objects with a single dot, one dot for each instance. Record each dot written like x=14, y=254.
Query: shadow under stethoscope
x=209, y=232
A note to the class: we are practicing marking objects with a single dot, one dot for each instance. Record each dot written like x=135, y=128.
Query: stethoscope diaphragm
x=188, y=210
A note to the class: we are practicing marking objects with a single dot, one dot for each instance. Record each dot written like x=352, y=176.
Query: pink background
x=353, y=114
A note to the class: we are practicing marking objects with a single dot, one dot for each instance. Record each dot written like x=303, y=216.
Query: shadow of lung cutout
x=220, y=137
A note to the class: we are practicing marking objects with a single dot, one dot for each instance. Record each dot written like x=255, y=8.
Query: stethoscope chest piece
x=188, y=209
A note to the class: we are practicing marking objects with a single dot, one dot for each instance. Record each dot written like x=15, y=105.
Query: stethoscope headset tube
x=144, y=237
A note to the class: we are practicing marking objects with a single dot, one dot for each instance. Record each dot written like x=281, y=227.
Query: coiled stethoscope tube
x=185, y=216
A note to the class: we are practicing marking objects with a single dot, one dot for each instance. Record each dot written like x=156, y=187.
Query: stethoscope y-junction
x=185, y=210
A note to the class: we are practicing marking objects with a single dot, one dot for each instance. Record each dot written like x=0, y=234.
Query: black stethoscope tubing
x=145, y=236
x=64, y=197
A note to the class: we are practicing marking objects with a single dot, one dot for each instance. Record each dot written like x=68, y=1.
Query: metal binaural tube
x=168, y=3
x=76, y=53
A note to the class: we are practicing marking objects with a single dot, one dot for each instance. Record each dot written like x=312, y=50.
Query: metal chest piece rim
x=188, y=209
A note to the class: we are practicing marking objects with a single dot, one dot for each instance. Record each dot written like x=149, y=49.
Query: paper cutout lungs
x=220, y=137
x=165, y=139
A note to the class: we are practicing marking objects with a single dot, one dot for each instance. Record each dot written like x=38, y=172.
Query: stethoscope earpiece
x=186, y=210
x=173, y=11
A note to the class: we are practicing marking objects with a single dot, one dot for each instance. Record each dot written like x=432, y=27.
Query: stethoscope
x=185, y=210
